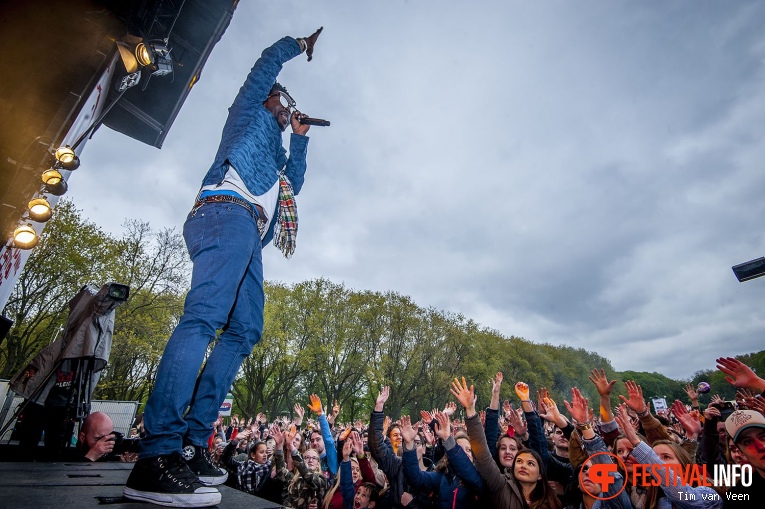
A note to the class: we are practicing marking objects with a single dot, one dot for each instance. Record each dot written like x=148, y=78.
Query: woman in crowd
x=677, y=494
x=306, y=485
x=455, y=479
x=359, y=468
x=524, y=486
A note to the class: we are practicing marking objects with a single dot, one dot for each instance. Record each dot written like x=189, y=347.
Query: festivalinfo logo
x=645, y=475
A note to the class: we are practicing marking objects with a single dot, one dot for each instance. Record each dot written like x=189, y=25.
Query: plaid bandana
x=285, y=229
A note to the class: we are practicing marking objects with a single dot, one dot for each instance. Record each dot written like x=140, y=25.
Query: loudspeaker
x=5, y=327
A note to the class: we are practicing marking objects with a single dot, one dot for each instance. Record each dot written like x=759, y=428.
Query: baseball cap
x=741, y=420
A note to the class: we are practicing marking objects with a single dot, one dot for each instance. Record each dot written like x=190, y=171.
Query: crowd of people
x=529, y=457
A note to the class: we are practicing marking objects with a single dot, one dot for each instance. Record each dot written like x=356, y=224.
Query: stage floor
x=62, y=485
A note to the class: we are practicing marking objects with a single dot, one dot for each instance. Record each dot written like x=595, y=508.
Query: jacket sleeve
x=329, y=444
x=620, y=501
x=492, y=430
x=314, y=480
x=677, y=492
x=282, y=473
x=654, y=430
x=484, y=463
x=463, y=467
x=346, y=485
x=556, y=470
x=425, y=481
x=382, y=452
x=227, y=458
x=296, y=164
x=263, y=74
x=709, y=444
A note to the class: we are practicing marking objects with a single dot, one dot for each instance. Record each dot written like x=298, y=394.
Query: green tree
x=72, y=252
x=155, y=265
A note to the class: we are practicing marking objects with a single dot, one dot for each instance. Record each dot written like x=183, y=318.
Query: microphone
x=314, y=121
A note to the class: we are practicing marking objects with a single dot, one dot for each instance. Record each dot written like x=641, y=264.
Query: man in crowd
x=747, y=428
x=246, y=195
x=96, y=439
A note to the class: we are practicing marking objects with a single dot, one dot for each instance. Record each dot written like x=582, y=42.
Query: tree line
x=319, y=336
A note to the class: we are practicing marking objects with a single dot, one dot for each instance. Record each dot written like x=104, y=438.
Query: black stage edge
x=81, y=485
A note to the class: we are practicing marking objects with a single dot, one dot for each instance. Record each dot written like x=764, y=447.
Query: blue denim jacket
x=252, y=140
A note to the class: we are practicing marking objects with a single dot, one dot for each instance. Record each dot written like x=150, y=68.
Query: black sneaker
x=166, y=480
x=199, y=461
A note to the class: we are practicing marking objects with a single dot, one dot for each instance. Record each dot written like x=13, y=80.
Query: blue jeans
x=226, y=293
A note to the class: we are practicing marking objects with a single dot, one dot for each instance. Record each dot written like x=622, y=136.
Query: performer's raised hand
x=310, y=41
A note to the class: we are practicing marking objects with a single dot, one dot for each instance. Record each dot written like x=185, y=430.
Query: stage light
x=52, y=177
x=54, y=182
x=67, y=158
x=40, y=210
x=24, y=237
x=143, y=55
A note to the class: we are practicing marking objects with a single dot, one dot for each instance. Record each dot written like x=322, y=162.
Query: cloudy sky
x=580, y=173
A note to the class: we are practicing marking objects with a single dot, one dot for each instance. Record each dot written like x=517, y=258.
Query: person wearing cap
x=246, y=199
x=747, y=429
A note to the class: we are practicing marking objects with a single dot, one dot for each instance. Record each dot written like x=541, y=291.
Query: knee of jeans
x=245, y=339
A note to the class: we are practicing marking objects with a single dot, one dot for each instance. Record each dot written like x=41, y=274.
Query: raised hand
x=315, y=405
x=464, y=395
x=635, y=401
x=310, y=42
x=691, y=391
x=450, y=408
x=408, y=433
x=300, y=413
x=555, y=416
x=357, y=446
x=496, y=383
x=426, y=416
x=741, y=397
x=739, y=374
x=712, y=413
x=541, y=407
x=623, y=420
x=278, y=437
x=496, y=386
x=716, y=400
x=757, y=403
x=522, y=391
x=386, y=425
x=579, y=408
x=518, y=424
x=347, y=449
x=336, y=409
x=600, y=380
x=443, y=427
x=430, y=439
x=690, y=423
x=382, y=397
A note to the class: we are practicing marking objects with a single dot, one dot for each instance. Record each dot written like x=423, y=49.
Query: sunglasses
x=285, y=100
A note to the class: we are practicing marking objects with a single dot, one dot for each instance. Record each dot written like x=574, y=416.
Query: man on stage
x=246, y=199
